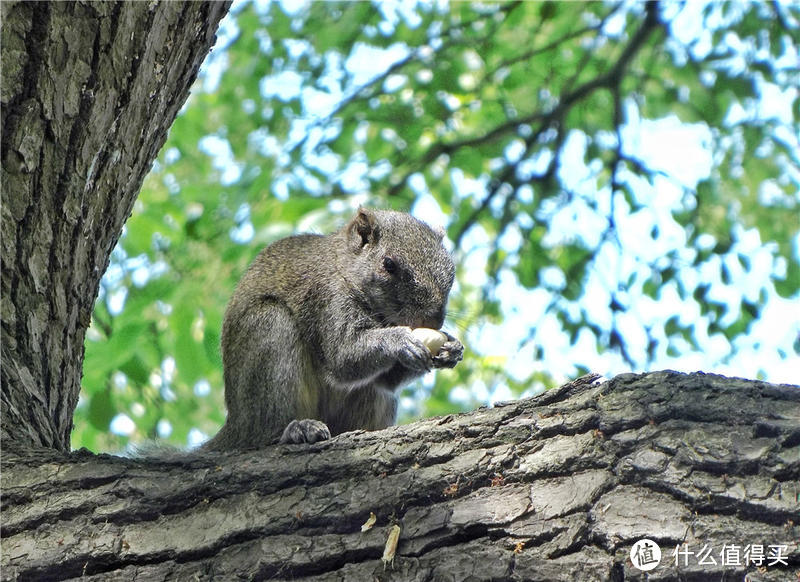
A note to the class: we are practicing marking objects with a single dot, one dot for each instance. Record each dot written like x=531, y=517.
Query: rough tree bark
x=89, y=90
x=557, y=487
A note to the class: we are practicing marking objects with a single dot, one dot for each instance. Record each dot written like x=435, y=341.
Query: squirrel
x=317, y=336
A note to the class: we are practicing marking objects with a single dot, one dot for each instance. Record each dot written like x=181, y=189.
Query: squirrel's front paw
x=307, y=430
x=414, y=355
x=451, y=353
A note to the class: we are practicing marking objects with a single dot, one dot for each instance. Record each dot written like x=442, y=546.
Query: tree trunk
x=89, y=90
x=557, y=487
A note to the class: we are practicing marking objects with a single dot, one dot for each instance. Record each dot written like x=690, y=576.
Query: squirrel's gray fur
x=317, y=336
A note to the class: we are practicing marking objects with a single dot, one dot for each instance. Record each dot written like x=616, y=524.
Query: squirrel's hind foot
x=307, y=430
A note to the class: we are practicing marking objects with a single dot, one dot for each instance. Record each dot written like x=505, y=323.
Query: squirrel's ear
x=363, y=227
x=439, y=232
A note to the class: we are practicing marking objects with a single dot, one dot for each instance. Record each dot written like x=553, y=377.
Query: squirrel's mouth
x=428, y=322
x=413, y=320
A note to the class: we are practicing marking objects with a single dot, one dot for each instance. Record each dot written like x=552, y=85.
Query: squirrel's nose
x=434, y=320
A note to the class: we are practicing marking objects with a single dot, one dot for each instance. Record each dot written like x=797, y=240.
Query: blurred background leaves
x=619, y=182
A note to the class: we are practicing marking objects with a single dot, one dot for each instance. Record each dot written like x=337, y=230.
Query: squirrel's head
x=398, y=267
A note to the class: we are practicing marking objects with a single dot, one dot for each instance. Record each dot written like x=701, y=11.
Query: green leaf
x=136, y=370
x=101, y=410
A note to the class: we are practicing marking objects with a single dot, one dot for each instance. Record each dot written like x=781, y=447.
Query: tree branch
x=554, y=488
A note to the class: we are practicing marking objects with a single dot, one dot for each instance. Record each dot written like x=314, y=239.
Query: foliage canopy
x=620, y=182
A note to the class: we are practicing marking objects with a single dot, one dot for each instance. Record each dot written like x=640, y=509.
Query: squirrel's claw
x=414, y=355
x=307, y=430
x=451, y=353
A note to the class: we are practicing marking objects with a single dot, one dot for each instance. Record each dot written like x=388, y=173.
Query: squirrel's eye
x=389, y=265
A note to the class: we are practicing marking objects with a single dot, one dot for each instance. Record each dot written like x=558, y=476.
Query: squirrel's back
x=286, y=270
